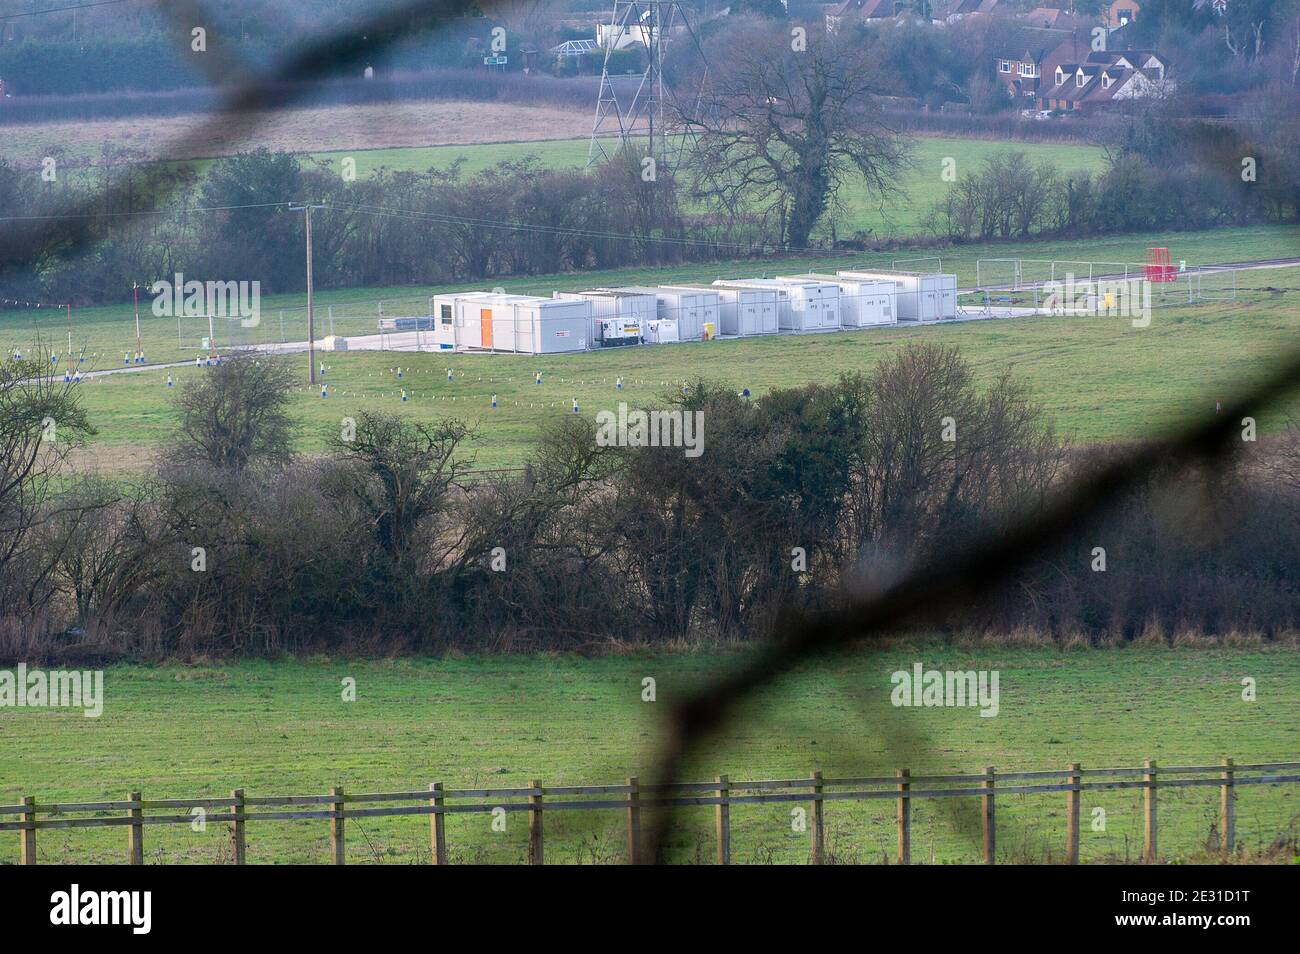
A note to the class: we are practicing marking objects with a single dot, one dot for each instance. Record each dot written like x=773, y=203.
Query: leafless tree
x=785, y=120
x=236, y=415
x=105, y=540
x=402, y=472
x=941, y=458
x=526, y=21
x=41, y=422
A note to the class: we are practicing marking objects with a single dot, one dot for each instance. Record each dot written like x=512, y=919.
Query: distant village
x=1045, y=60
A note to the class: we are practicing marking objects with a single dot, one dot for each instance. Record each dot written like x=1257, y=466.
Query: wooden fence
x=240, y=810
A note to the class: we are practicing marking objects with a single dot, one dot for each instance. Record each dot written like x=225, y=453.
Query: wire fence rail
x=632, y=798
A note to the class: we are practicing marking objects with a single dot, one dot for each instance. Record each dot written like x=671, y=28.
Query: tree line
x=233, y=223
x=1161, y=172
x=388, y=542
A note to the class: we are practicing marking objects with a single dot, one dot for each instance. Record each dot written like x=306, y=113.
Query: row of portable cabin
x=608, y=317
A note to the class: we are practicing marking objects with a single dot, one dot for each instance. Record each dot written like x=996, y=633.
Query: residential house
x=1104, y=79
x=1026, y=54
x=859, y=11
x=951, y=11
x=621, y=35
x=1121, y=12
x=1052, y=18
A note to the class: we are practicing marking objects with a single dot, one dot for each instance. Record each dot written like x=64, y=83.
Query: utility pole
x=139, y=348
x=311, y=317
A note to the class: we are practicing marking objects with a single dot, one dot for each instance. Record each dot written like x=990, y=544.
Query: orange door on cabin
x=485, y=318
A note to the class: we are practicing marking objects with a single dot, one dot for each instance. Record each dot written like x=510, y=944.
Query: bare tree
x=940, y=459
x=526, y=21
x=402, y=473
x=236, y=415
x=786, y=119
x=41, y=421
x=105, y=542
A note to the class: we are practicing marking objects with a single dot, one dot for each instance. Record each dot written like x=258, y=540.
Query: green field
x=920, y=185
x=108, y=330
x=282, y=728
x=1100, y=378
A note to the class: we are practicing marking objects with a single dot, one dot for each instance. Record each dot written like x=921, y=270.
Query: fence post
x=1072, y=815
x=904, y=814
x=1227, y=810
x=634, y=821
x=337, y=853
x=28, y=853
x=1149, y=825
x=437, y=825
x=237, y=845
x=134, y=832
x=819, y=823
x=723, y=819
x=989, y=827
x=535, y=824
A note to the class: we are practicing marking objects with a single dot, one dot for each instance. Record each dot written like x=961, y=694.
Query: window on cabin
x=1004, y=66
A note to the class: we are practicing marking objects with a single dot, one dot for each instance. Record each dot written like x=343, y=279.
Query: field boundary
x=632, y=798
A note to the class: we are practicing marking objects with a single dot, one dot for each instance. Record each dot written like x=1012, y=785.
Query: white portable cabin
x=863, y=301
x=804, y=304
x=692, y=309
x=744, y=311
x=449, y=313
x=661, y=331
x=525, y=324
x=918, y=296
x=627, y=307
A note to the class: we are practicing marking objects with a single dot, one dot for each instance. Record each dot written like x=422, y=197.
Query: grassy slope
x=280, y=728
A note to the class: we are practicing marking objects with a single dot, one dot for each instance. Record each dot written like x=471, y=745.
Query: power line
x=568, y=230
x=110, y=215
x=75, y=6
x=450, y=219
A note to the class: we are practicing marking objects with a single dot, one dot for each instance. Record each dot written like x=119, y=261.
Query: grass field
x=282, y=728
x=1100, y=378
x=920, y=185
x=106, y=331
x=533, y=132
